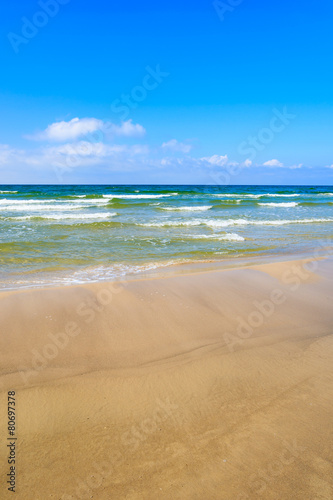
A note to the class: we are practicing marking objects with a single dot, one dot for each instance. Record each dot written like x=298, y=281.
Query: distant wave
x=188, y=209
x=138, y=196
x=255, y=196
x=86, y=200
x=24, y=208
x=172, y=223
x=5, y=201
x=234, y=222
x=276, y=195
x=222, y=237
x=67, y=216
x=282, y=205
x=8, y=192
x=245, y=222
x=11, y=205
x=236, y=195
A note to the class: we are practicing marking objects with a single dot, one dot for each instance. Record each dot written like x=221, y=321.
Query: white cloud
x=223, y=161
x=138, y=149
x=68, y=131
x=176, y=146
x=277, y=163
x=85, y=148
x=86, y=153
x=5, y=153
x=68, y=157
x=126, y=129
x=247, y=163
x=78, y=127
x=9, y=155
x=273, y=163
x=81, y=156
x=216, y=160
x=300, y=165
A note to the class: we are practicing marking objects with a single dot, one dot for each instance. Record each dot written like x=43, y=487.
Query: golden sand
x=211, y=385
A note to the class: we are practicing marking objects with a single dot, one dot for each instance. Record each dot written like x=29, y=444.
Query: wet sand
x=210, y=385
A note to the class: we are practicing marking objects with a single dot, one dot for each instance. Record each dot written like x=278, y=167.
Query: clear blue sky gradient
x=226, y=78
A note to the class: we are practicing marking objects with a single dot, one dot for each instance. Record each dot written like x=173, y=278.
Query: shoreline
x=179, y=268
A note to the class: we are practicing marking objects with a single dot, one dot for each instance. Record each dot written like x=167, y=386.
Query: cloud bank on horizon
x=69, y=148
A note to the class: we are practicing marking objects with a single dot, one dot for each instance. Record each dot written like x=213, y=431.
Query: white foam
x=91, y=275
x=263, y=195
x=245, y=222
x=5, y=201
x=216, y=223
x=188, y=209
x=68, y=216
x=8, y=192
x=61, y=207
x=221, y=237
x=233, y=195
x=172, y=223
x=282, y=205
x=26, y=205
x=92, y=201
x=83, y=199
x=137, y=196
x=276, y=195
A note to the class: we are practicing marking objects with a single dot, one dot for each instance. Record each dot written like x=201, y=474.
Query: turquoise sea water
x=75, y=234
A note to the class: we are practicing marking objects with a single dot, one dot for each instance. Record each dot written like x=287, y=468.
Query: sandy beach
x=166, y=250
x=208, y=385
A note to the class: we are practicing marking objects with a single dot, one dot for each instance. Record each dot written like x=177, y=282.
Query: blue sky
x=234, y=92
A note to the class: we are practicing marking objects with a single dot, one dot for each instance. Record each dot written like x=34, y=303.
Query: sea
x=71, y=234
